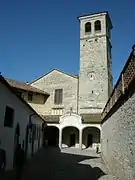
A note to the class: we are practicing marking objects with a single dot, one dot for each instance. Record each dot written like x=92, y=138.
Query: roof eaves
x=24, y=86
x=2, y=79
x=96, y=13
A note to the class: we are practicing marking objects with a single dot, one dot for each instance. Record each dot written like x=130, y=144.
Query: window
x=98, y=25
x=58, y=96
x=19, y=94
x=30, y=96
x=87, y=27
x=9, y=116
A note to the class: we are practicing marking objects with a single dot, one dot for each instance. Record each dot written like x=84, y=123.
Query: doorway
x=52, y=136
x=72, y=139
x=89, y=140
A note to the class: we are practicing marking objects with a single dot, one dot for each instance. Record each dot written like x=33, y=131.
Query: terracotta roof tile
x=4, y=81
x=51, y=118
x=24, y=86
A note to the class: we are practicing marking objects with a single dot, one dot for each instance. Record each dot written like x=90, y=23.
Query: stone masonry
x=57, y=80
x=118, y=137
x=95, y=64
x=87, y=93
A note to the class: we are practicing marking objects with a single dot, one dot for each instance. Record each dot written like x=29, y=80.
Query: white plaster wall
x=74, y=121
x=70, y=120
x=118, y=141
x=22, y=113
x=38, y=122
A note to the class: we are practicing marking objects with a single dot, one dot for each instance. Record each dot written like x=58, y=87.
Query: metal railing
x=126, y=77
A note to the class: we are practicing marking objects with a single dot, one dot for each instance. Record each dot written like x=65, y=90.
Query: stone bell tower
x=95, y=76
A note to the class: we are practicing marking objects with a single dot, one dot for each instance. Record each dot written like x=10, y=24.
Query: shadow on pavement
x=51, y=164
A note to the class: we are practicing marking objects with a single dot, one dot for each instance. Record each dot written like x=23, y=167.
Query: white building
x=73, y=103
x=19, y=123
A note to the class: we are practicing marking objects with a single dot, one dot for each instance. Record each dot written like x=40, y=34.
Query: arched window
x=98, y=25
x=87, y=27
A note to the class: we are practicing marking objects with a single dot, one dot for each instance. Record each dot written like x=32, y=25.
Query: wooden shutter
x=58, y=96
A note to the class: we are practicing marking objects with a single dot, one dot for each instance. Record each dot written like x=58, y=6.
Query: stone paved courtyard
x=69, y=164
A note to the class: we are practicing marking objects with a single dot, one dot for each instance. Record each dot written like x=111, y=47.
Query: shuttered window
x=58, y=97
x=9, y=117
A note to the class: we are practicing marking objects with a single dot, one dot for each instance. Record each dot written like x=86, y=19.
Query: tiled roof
x=51, y=118
x=24, y=86
x=4, y=81
x=91, y=118
x=86, y=118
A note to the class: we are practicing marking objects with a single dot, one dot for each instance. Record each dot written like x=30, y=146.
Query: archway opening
x=70, y=137
x=90, y=137
x=51, y=136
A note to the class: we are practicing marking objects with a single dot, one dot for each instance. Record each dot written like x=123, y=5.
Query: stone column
x=60, y=138
x=80, y=139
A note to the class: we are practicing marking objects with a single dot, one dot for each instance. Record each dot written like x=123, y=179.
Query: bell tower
x=95, y=76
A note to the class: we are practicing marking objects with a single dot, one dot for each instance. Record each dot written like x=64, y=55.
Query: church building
x=72, y=104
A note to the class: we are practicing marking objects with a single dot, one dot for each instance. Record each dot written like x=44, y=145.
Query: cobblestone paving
x=69, y=164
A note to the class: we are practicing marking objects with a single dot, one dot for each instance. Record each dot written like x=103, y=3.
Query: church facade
x=73, y=104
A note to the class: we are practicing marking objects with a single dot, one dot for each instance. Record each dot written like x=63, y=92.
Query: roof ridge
x=69, y=74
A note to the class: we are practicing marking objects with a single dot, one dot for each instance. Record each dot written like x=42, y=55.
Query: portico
x=72, y=132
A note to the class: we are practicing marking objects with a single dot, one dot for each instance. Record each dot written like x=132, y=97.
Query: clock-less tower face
x=95, y=77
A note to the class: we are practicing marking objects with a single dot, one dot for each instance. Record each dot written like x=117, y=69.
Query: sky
x=39, y=35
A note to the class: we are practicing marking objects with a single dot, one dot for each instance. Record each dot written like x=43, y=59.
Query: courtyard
x=69, y=163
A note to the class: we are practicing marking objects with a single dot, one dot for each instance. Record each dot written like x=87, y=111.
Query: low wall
x=118, y=141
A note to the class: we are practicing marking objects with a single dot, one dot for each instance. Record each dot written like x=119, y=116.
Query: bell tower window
x=98, y=25
x=88, y=27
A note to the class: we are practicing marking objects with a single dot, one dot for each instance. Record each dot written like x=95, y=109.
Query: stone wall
x=95, y=65
x=118, y=137
x=57, y=80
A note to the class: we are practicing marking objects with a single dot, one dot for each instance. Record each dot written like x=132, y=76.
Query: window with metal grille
x=9, y=117
x=58, y=97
